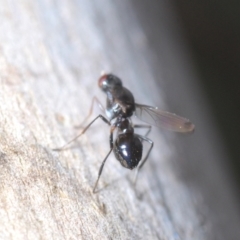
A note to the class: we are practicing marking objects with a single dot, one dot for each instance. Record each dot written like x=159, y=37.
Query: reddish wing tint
x=167, y=120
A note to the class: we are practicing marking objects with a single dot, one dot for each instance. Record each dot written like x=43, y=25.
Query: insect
x=120, y=107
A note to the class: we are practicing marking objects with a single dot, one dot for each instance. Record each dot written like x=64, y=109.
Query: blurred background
x=211, y=30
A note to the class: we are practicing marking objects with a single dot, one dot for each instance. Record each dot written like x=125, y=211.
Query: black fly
x=120, y=107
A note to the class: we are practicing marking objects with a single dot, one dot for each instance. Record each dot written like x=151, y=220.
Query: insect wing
x=159, y=118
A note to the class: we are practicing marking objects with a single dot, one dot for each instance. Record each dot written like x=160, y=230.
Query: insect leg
x=145, y=158
x=144, y=126
x=105, y=159
x=83, y=131
x=94, y=100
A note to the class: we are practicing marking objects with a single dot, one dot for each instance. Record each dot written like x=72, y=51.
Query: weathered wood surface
x=52, y=53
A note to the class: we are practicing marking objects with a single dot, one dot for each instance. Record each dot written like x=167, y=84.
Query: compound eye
x=102, y=82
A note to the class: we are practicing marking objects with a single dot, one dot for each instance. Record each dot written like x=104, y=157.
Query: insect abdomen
x=128, y=150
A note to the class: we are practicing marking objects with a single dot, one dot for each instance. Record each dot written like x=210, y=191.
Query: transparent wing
x=159, y=118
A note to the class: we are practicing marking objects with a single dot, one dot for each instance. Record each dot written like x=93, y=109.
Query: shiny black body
x=127, y=146
x=120, y=101
x=120, y=107
x=128, y=150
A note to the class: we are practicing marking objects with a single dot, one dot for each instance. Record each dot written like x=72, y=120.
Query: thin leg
x=105, y=159
x=144, y=126
x=145, y=158
x=100, y=171
x=94, y=100
x=84, y=130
